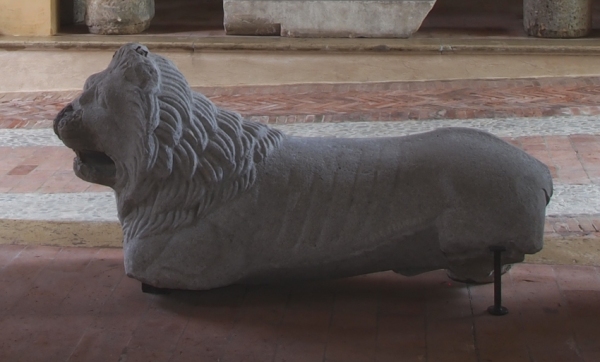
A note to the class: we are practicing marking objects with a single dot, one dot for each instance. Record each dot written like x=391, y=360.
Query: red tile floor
x=393, y=101
x=75, y=304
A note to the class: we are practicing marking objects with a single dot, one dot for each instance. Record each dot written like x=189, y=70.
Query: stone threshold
x=449, y=45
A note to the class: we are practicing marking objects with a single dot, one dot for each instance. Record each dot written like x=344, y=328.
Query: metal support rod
x=497, y=308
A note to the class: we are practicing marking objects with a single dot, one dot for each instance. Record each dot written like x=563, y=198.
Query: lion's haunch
x=208, y=199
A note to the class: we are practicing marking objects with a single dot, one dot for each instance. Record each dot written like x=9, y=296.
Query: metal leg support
x=497, y=308
x=146, y=288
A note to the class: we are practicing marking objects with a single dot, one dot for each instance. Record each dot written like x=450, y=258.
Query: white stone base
x=326, y=18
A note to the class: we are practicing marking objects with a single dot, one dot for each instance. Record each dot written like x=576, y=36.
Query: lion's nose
x=60, y=118
x=67, y=115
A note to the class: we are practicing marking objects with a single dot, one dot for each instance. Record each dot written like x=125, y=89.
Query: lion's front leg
x=192, y=258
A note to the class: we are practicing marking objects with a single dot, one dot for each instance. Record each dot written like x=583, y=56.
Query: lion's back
x=328, y=191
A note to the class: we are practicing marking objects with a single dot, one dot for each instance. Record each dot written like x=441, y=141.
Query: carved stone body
x=207, y=199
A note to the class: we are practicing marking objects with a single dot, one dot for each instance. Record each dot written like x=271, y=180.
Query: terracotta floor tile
x=588, y=150
x=31, y=182
x=300, y=351
x=109, y=334
x=54, y=282
x=97, y=188
x=8, y=182
x=37, y=329
x=353, y=331
x=564, y=158
x=213, y=316
x=591, y=356
x=100, y=345
x=450, y=340
x=56, y=183
x=547, y=328
x=22, y=170
x=41, y=155
x=536, y=146
x=74, y=185
x=13, y=157
x=401, y=337
x=17, y=277
x=35, y=337
x=580, y=287
x=305, y=325
x=256, y=331
x=157, y=334
x=94, y=313
x=97, y=282
x=446, y=308
x=498, y=338
x=8, y=253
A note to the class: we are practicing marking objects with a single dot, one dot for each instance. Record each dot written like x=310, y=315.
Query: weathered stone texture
x=326, y=18
x=79, y=8
x=557, y=18
x=119, y=16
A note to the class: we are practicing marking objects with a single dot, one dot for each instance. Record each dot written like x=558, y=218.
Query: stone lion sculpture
x=207, y=199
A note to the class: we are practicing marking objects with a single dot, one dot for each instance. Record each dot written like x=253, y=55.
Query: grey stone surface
x=557, y=18
x=575, y=200
x=79, y=9
x=118, y=16
x=28, y=138
x=101, y=206
x=207, y=199
x=326, y=18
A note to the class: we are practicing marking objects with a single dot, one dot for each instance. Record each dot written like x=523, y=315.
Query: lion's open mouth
x=95, y=166
x=94, y=158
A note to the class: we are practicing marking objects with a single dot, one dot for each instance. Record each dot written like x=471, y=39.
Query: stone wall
x=28, y=17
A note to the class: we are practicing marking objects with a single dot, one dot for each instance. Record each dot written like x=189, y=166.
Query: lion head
x=168, y=152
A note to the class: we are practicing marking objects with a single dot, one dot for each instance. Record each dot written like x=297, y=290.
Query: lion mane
x=200, y=154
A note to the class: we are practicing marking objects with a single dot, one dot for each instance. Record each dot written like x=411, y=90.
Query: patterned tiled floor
x=460, y=99
x=75, y=304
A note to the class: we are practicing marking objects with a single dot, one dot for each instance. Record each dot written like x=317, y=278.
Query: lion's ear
x=142, y=73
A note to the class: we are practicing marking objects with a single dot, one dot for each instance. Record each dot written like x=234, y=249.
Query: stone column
x=118, y=16
x=557, y=18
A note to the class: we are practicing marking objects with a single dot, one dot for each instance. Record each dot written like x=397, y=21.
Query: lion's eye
x=140, y=50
